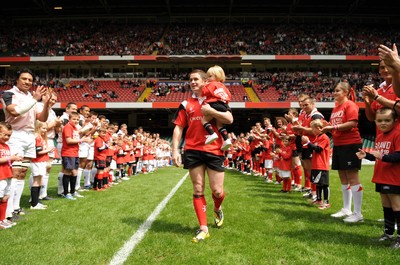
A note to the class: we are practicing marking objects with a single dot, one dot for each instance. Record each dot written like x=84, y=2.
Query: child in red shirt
x=100, y=158
x=386, y=170
x=218, y=96
x=39, y=164
x=319, y=162
x=6, y=160
x=284, y=155
x=70, y=155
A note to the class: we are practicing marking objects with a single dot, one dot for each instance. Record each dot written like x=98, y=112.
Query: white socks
x=357, y=193
x=347, y=197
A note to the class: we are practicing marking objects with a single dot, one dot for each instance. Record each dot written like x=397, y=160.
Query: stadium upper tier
x=97, y=38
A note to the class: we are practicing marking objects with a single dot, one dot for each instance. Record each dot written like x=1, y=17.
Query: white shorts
x=22, y=143
x=5, y=185
x=84, y=150
x=285, y=173
x=38, y=168
x=113, y=165
x=268, y=164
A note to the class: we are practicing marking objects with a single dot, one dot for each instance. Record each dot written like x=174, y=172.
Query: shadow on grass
x=161, y=226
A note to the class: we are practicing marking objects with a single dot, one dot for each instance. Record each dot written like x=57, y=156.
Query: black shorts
x=387, y=189
x=194, y=158
x=344, y=157
x=220, y=106
x=320, y=177
x=306, y=153
x=70, y=163
x=100, y=164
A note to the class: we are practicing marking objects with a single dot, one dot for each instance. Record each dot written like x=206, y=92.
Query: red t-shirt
x=190, y=116
x=384, y=172
x=386, y=92
x=5, y=168
x=320, y=161
x=216, y=91
x=347, y=111
x=100, y=155
x=70, y=150
x=41, y=143
x=286, y=158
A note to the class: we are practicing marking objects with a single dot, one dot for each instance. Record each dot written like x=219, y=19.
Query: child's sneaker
x=211, y=138
x=324, y=206
x=226, y=144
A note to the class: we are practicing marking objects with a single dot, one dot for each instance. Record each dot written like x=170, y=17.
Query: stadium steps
x=145, y=94
x=252, y=94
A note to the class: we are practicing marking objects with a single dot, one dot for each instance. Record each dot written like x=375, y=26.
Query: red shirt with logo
x=384, y=172
x=5, y=168
x=347, y=111
x=320, y=161
x=216, y=91
x=190, y=115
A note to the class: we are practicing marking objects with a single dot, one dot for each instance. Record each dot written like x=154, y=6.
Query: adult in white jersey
x=21, y=110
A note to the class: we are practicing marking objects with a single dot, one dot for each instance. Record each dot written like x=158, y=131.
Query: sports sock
x=347, y=197
x=224, y=133
x=19, y=188
x=86, y=177
x=208, y=128
x=326, y=191
x=78, y=178
x=43, y=189
x=3, y=208
x=73, y=180
x=390, y=220
x=218, y=201
x=357, y=193
x=200, y=207
x=65, y=181
x=34, y=196
x=60, y=183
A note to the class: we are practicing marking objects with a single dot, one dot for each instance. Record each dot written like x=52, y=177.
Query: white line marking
x=124, y=252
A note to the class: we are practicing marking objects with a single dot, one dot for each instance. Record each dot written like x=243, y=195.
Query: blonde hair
x=38, y=126
x=345, y=86
x=317, y=123
x=217, y=73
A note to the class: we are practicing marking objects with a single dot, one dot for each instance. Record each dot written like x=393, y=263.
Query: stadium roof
x=362, y=11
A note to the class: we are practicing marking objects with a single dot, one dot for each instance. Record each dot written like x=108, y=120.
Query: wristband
x=26, y=106
x=80, y=141
x=306, y=143
x=336, y=127
x=9, y=162
x=376, y=97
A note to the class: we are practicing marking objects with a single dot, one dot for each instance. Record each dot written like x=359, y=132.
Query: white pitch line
x=124, y=252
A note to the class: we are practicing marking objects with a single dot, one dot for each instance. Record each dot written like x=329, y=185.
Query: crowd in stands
x=317, y=84
x=269, y=86
x=100, y=38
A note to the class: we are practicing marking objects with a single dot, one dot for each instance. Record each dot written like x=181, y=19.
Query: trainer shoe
x=38, y=207
x=43, y=205
x=4, y=225
x=47, y=198
x=8, y=222
x=342, y=213
x=396, y=244
x=19, y=211
x=77, y=195
x=307, y=194
x=200, y=236
x=211, y=138
x=226, y=144
x=386, y=237
x=354, y=218
x=69, y=197
x=324, y=206
x=219, y=218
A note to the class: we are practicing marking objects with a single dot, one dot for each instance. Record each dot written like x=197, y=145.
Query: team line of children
x=116, y=155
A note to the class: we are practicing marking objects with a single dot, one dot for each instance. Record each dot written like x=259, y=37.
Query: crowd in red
x=101, y=38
